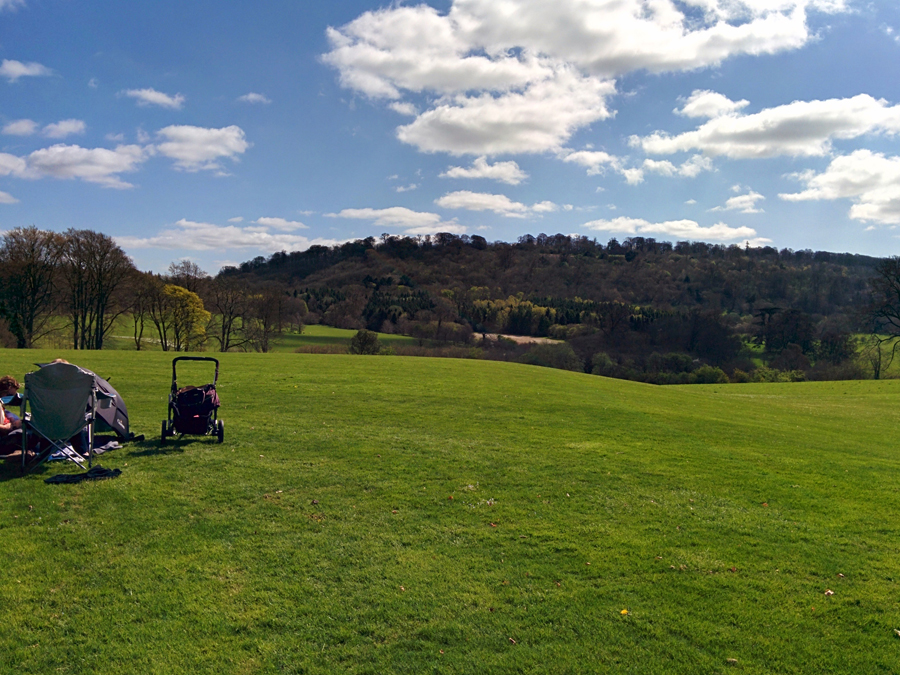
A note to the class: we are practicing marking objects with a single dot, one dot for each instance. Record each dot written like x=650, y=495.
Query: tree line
x=79, y=284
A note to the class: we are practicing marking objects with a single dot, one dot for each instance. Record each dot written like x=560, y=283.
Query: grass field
x=315, y=335
x=403, y=515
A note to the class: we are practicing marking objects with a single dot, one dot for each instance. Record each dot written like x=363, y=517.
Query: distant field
x=287, y=342
x=409, y=515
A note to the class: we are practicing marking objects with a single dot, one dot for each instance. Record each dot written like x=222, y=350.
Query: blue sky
x=223, y=131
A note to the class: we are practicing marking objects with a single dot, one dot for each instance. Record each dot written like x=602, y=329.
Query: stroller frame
x=180, y=417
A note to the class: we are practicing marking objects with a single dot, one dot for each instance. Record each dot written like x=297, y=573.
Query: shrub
x=709, y=375
x=365, y=342
x=560, y=356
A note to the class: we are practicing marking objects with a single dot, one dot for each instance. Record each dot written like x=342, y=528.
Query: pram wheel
x=164, y=432
x=220, y=430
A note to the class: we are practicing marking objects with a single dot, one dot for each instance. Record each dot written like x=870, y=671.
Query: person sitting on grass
x=9, y=422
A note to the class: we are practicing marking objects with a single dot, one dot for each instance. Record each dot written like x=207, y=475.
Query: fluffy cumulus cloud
x=20, y=128
x=253, y=97
x=13, y=70
x=196, y=148
x=691, y=168
x=6, y=198
x=594, y=160
x=504, y=172
x=520, y=76
x=709, y=104
x=798, y=129
x=281, y=224
x=678, y=229
x=745, y=203
x=94, y=165
x=152, y=97
x=869, y=179
x=188, y=235
x=411, y=222
x=64, y=128
x=499, y=204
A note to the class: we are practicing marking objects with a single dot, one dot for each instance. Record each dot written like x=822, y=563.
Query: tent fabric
x=59, y=394
x=111, y=410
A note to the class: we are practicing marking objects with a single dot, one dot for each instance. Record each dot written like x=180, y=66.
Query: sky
x=218, y=132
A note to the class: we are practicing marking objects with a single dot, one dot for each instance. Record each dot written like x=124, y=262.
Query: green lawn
x=409, y=515
x=315, y=335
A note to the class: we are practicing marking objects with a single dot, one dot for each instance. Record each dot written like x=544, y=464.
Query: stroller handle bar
x=193, y=358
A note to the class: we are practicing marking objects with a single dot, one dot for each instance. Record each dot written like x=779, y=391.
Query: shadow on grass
x=152, y=448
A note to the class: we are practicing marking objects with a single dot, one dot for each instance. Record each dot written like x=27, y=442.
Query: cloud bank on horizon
x=696, y=119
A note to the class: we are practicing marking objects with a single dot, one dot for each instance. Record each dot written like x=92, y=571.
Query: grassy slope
x=288, y=342
x=604, y=495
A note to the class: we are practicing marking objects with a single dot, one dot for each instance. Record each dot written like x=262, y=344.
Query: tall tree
x=267, y=315
x=187, y=274
x=227, y=298
x=189, y=318
x=29, y=260
x=94, y=270
x=884, y=312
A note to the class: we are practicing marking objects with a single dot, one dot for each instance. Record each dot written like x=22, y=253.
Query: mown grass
x=387, y=514
x=289, y=341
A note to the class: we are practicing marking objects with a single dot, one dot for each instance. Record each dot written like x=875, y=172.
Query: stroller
x=193, y=410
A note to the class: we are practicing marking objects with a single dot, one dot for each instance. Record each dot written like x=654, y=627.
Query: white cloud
x=152, y=97
x=13, y=70
x=406, y=188
x=594, y=160
x=6, y=198
x=870, y=179
x=187, y=235
x=116, y=138
x=504, y=172
x=11, y=4
x=10, y=165
x=680, y=229
x=414, y=222
x=521, y=76
x=798, y=129
x=94, y=165
x=539, y=118
x=688, y=169
x=279, y=224
x=236, y=219
x=20, y=128
x=64, y=128
x=404, y=108
x=745, y=203
x=93, y=83
x=499, y=204
x=702, y=103
x=253, y=97
x=196, y=148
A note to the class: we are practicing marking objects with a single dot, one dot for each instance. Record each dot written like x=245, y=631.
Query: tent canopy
x=112, y=414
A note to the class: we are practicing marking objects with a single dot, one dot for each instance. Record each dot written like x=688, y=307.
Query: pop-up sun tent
x=68, y=402
x=112, y=415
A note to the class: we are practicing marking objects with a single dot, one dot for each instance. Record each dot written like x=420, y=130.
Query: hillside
x=382, y=514
x=617, y=304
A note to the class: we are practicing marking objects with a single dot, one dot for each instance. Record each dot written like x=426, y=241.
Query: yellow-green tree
x=188, y=318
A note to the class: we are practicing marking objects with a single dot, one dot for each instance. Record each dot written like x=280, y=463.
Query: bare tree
x=29, y=259
x=94, y=270
x=228, y=300
x=884, y=315
x=187, y=274
x=266, y=315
